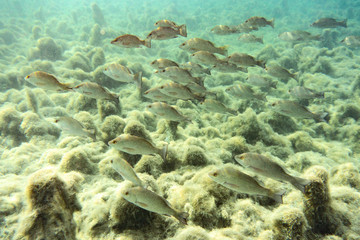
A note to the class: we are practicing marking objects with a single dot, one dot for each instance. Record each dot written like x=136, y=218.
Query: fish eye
x=162, y=87
x=56, y=120
x=242, y=157
x=153, y=62
x=183, y=44
x=163, y=70
x=111, y=161
x=149, y=106
x=273, y=104
x=215, y=174
x=27, y=77
x=126, y=193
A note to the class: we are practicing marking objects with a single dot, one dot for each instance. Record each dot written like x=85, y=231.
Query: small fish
x=162, y=63
x=245, y=28
x=198, y=44
x=228, y=67
x=223, y=30
x=176, y=74
x=197, y=88
x=305, y=93
x=130, y=41
x=250, y=38
x=121, y=73
x=329, y=23
x=351, y=41
x=245, y=92
x=94, y=90
x=268, y=168
x=168, y=23
x=179, y=91
x=152, y=202
x=260, y=81
x=155, y=94
x=125, y=170
x=244, y=59
x=294, y=109
x=215, y=106
x=260, y=22
x=166, y=111
x=73, y=127
x=229, y=177
x=46, y=81
x=196, y=69
x=298, y=35
x=205, y=57
x=137, y=145
x=164, y=33
x=280, y=72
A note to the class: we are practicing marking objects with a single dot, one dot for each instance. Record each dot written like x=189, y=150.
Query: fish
x=166, y=111
x=73, y=127
x=179, y=91
x=130, y=41
x=168, y=23
x=229, y=67
x=245, y=92
x=294, y=109
x=244, y=59
x=155, y=94
x=196, y=69
x=298, y=35
x=250, y=38
x=300, y=92
x=230, y=177
x=177, y=74
x=164, y=33
x=94, y=90
x=329, y=23
x=122, y=167
x=259, y=22
x=245, y=28
x=137, y=146
x=198, y=44
x=223, y=30
x=46, y=81
x=280, y=72
x=163, y=63
x=121, y=73
x=152, y=202
x=215, y=106
x=351, y=41
x=268, y=168
x=260, y=81
x=205, y=57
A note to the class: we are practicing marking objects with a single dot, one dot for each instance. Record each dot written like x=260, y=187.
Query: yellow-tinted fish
x=94, y=90
x=176, y=74
x=152, y=202
x=178, y=91
x=73, y=127
x=298, y=35
x=229, y=177
x=166, y=111
x=229, y=67
x=245, y=92
x=244, y=59
x=125, y=170
x=260, y=81
x=351, y=41
x=46, y=81
x=223, y=30
x=196, y=69
x=280, y=72
x=198, y=44
x=130, y=41
x=168, y=23
x=250, y=38
x=121, y=73
x=300, y=92
x=245, y=28
x=215, y=106
x=137, y=145
x=155, y=94
x=259, y=22
x=268, y=168
x=162, y=63
x=205, y=57
x=163, y=33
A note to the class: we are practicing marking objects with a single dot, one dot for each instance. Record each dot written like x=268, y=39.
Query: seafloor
x=60, y=185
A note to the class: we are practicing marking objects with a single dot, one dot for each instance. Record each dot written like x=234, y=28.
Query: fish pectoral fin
x=161, y=114
x=144, y=205
x=230, y=184
x=129, y=149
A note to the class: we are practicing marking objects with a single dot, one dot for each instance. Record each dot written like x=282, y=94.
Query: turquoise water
x=57, y=176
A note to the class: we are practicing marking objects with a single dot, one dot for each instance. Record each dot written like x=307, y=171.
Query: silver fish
x=46, y=81
x=300, y=92
x=166, y=111
x=94, y=90
x=125, y=170
x=121, y=73
x=73, y=127
x=245, y=92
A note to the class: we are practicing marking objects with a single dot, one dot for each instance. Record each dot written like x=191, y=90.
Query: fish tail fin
x=261, y=39
x=224, y=50
x=260, y=63
x=182, y=217
x=147, y=42
x=300, y=183
x=320, y=94
x=92, y=134
x=272, y=22
x=321, y=117
x=344, y=23
x=138, y=80
x=183, y=30
x=208, y=71
x=232, y=112
x=164, y=151
x=278, y=196
x=273, y=84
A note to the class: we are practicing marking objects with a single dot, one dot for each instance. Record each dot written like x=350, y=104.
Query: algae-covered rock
x=10, y=121
x=302, y=142
x=46, y=48
x=97, y=15
x=112, y=127
x=51, y=204
x=107, y=108
x=77, y=160
x=95, y=36
x=7, y=36
x=347, y=175
x=195, y=156
x=289, y=223
x=79, y=61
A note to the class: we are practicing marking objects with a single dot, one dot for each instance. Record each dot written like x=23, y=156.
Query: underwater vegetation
x=179, y=120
